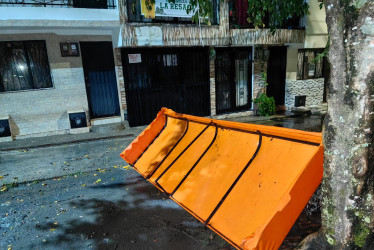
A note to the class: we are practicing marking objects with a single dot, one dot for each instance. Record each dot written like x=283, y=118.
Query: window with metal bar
x=307, y=66
x=24, y=65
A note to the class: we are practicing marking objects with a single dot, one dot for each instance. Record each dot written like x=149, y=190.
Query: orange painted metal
x=248, y=183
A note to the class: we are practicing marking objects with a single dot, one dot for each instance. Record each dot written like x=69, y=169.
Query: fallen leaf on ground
x=83, y=185
x=44, y=184
x=97, y=181
x=3, y=188
x=52, y=229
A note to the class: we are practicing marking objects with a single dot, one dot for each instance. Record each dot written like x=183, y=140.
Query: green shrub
x=265, y=104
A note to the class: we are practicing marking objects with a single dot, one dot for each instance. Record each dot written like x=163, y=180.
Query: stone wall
x=311, y=88
x=259, y=66
x=120, y=78
x=45, y=112
x=212, y=78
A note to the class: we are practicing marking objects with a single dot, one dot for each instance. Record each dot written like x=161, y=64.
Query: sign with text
x=177, y=9
x=135, y=58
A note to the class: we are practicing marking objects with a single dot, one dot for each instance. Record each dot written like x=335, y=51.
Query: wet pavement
x=84, y=196
x=306, y=121
x=109, y=208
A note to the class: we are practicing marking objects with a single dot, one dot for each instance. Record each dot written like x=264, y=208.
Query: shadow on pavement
x=143, y=219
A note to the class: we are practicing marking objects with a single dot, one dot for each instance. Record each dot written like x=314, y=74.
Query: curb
x=66, y=142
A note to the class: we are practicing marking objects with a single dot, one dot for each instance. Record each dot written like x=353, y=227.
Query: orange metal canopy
x=248, y=183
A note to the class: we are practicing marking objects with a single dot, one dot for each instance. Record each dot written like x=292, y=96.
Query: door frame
x=232, y=52
x=282, y=76
x=87, y=85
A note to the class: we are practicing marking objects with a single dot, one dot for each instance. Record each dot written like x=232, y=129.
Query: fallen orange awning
x=248, y=183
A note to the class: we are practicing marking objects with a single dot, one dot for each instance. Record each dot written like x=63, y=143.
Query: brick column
x=260, y=66
x=212, y=88
x=121, y=81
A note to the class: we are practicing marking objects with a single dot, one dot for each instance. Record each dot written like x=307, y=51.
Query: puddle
x=312, y=123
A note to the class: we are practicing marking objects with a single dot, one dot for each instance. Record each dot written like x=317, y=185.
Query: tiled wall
x=35, y=113
x=311, y=88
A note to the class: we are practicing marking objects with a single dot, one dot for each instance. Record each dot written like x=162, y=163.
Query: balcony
x=89, y=4
x=238, y=18
x=100, y=17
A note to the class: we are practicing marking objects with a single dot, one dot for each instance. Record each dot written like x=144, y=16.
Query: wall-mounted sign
x=135, y=58
x=69, y=49
x=177, y=9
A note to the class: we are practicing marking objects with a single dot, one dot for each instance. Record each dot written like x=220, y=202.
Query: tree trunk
x=348, y=181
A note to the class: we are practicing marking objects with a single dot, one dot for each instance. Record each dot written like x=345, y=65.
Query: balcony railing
x=90, y=4
x=238, y=18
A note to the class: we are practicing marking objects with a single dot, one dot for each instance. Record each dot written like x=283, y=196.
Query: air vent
x=4, y=128
x=78, y=120
x=300, y=100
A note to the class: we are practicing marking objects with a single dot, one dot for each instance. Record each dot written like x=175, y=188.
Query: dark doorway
x=175, y=78
x=100, y=77
x=233, y=69
x=276, y=73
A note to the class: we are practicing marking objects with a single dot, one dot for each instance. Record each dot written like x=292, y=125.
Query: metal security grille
x=24, y=65
x=175, y=78
x=233, y=68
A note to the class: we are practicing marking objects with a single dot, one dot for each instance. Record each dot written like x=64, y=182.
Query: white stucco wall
x=316, y=32
x=31, y=14
x=45, y=112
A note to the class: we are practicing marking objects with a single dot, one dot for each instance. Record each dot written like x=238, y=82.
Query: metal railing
x=90, y=4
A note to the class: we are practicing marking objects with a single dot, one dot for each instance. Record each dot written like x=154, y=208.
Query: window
x=307, y=67
x=24, y=65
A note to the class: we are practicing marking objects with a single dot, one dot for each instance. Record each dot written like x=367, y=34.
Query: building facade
x=229, y=58
x=71, y=64
x=57, y=67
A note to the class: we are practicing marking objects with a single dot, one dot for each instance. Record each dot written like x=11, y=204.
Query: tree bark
x=348, y=181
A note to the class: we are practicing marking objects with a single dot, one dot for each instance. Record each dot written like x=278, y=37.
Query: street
x=84, y=196
x=95, y=202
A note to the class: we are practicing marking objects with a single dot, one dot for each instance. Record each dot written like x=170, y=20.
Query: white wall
x=316, y=32
x=45, y=112
x=58, y=14
x=62, y=21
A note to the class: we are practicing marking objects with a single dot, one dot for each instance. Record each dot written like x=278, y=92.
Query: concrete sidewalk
x=43, y=158
x=100, y=132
